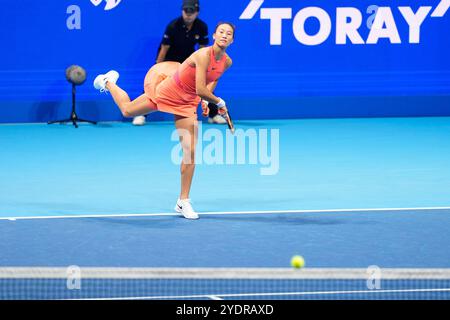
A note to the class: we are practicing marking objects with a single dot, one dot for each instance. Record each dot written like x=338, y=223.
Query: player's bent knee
x=126, y=114
x=126, y=111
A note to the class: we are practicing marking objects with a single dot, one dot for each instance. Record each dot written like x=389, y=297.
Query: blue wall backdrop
x=394, y=62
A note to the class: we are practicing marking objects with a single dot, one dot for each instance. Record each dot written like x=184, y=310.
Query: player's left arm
x=205, y=104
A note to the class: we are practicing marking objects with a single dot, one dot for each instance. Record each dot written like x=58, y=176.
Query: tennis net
x=73, y=282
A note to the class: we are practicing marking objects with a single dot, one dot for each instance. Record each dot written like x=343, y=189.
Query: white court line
x=266, y=294
x=224, y=213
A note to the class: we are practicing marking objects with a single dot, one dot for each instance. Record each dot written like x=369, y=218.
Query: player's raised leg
x=139, y=106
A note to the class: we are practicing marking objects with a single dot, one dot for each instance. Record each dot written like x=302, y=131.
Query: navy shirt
x=182, y=41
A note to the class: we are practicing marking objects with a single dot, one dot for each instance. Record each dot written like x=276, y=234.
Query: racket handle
x=230, y=123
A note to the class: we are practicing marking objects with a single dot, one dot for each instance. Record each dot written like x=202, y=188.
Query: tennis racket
x=229, y=122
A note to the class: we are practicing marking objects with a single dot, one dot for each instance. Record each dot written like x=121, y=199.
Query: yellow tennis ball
x=297, y=262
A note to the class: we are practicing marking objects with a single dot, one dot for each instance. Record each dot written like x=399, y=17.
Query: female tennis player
x=178, y=88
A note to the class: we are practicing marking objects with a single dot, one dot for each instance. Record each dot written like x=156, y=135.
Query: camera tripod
x=73, y=117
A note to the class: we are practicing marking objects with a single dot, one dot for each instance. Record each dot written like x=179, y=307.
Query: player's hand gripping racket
x=223, y=111
x=226, y=114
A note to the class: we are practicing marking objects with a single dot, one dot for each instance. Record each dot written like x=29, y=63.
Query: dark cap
x=190, y=6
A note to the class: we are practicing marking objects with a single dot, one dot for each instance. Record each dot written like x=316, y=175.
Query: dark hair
x=228, y=23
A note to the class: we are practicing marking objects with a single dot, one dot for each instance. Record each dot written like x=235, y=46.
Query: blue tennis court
x=346, y=194
x=339, y=154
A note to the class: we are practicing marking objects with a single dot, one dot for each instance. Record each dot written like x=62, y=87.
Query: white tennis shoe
x=185, y=208
x=139, y=120
x=217, y=119
x=101, y=80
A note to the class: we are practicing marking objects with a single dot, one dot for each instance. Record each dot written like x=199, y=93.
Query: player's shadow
x=274, y=219
x=149, y=222
x=283, y=219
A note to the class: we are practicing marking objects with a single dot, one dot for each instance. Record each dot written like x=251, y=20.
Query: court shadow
x=104, y=125
x=277, y=219
x=238, y=124
x=154, y=222
x=249, y=123
x=46, y=111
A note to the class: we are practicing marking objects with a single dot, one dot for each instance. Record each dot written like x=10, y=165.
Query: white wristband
x=221, y=103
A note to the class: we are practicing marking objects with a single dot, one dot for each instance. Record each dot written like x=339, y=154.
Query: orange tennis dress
x=171, y=85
